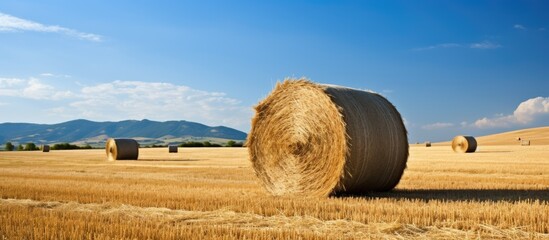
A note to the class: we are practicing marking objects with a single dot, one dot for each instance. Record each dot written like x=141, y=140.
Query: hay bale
x=525, y=142
x=315, y=140
x=45, y=148
x=427, y=144
x=122, y=149
x=172, y=149
x=464, y=144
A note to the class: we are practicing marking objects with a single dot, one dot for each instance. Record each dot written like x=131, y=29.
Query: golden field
x=498, y=192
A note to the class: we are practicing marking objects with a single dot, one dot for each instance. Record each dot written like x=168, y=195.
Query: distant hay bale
x=464, y=144
x=122, y=149
x=45, y=148
x=525, y=142
x=315, y=140
x=172, y=149
x=427, y=144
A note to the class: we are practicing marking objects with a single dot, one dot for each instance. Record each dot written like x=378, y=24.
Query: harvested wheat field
x=497, y=192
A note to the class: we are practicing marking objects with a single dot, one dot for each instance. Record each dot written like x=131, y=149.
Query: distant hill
x=537, y=136
x=95, y=133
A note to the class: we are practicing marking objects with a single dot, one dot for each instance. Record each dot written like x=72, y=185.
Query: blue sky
x=450, y=67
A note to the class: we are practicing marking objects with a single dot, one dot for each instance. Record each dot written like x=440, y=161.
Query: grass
x=498, y=192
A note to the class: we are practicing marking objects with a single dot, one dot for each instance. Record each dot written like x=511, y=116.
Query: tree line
x=68, y=146
x=33, y=147
x=230, y=143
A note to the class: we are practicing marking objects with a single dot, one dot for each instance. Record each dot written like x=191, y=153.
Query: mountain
x=89, y=132
x=537, y=136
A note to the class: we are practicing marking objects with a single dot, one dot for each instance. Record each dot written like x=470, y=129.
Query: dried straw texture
x=315, y=140
x=122, y=149
x=464, y=144
x=172, y=149
x=525, y=142
x=45, y=148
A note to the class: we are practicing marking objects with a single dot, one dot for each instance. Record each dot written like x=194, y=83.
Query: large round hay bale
x=315, y=140
x=464, y=144
x=122, y=149
x=45, y=148
x=172, y=149
x=427, y=144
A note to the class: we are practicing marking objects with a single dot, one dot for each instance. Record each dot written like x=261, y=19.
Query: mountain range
x=96, y=133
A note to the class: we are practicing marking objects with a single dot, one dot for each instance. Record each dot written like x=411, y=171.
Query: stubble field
x=205, y=193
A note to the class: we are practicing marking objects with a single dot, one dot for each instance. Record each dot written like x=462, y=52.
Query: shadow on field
x=171, y=160
x=493, y=152
x=463, y=194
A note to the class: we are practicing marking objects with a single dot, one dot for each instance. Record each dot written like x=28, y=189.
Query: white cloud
x=526, y=113
x=519, y=26
x=479, y=45
x=484, y=45
x=121, y=100
x=437, y=125
x=10, y=23
x=31, y=88
x=159, y=101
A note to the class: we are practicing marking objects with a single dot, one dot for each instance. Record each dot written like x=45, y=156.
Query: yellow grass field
x=499, y=192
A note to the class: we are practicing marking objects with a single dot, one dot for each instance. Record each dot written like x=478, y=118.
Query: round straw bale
x=172, y=149
x=314, y=140
x=122, y=149
x=464, y=144
x=45, y=148
x=427, y=144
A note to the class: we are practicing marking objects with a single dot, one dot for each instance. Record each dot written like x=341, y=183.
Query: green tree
x=20, y=148
x=9, y=146
x=192, y=144
x=30, y=147
x=232, y=143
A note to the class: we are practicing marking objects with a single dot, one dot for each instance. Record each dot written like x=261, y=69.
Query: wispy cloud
x=478, y=45
x=10, y=23
x=526, y=112
x=442, y=45
x=519, y=26
x=55, y=75
x=437, y=125
x=484, y=45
